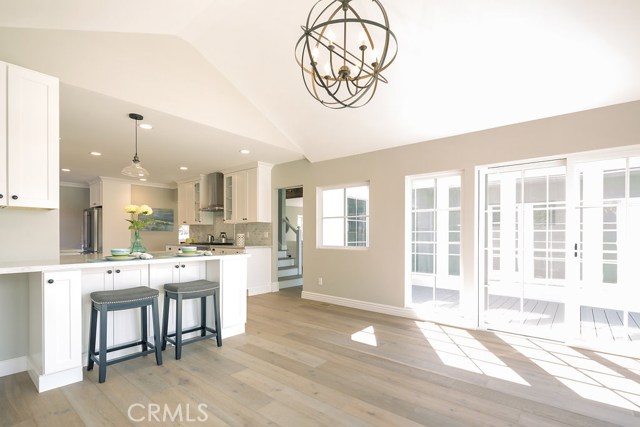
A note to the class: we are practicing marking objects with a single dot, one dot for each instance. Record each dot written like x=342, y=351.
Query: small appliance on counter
x=223, y=237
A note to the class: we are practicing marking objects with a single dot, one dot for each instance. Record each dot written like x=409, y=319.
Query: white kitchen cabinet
x=178, y=272
x=259, y=270
x=247, y=194
x=54, y=328
x=232, y=274
x=95, y=193
x=189, y=203
x=123, y=326
x=29, y=138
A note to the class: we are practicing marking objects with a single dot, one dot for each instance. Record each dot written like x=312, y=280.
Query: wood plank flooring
x=300, y=364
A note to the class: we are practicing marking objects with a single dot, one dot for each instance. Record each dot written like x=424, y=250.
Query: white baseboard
x=362, y=305
x=409, y=313
x=259, y=290
x=13, y=366
x=232, y=331
x=49, y=382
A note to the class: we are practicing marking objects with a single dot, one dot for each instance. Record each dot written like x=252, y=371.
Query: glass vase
x=136, y=242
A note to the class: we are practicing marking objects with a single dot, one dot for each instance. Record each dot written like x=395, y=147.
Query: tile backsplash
x=256, y=233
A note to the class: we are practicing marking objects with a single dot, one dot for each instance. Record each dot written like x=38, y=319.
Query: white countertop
x=72, y=262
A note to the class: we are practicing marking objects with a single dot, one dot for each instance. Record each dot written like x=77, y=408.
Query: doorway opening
x=290, y=236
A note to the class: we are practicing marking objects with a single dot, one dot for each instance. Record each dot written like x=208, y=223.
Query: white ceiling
x=214, y=76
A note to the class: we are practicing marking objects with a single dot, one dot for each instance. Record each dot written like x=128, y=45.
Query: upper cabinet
x=95, y=193
x=29, y=133
x=190, y=200
x=247, y=194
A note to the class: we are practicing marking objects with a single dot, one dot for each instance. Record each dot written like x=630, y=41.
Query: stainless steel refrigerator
x=92, y=231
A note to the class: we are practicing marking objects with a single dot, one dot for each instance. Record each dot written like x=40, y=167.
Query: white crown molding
x=74, y=184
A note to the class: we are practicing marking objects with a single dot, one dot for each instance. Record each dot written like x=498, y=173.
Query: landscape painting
x=162, y=220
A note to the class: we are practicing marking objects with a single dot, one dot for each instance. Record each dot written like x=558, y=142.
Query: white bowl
x=120, y=252
x=189, y=249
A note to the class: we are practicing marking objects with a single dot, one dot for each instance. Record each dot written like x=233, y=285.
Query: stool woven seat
x=123, y=295
x=190, y=290
x=103, y=302
x=191, y=287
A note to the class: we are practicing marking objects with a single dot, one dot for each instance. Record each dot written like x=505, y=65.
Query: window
x=345, y=216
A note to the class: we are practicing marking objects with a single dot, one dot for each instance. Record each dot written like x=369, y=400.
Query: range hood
x=214, y=192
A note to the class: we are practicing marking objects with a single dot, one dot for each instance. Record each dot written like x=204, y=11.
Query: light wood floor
x=305, y=363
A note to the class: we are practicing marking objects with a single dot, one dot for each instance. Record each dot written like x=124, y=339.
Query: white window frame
x=319, y=229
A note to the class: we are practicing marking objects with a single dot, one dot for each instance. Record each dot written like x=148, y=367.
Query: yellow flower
x=131, y=209
x=145, y=210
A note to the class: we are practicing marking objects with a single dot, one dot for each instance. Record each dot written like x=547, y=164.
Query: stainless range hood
x=214, y=192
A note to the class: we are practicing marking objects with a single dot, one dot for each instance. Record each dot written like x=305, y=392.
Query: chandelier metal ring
x=349, y=80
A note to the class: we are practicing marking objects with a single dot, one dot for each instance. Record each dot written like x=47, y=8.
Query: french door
x=561, y=250
x=525, y=249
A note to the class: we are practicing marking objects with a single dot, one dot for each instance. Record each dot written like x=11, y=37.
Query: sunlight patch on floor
x=458, y=349
x=583, y=375
x=366, y=336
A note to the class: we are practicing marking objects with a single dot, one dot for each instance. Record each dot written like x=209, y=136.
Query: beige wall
x=73, y=202
x=162, y=198
x=377, y=275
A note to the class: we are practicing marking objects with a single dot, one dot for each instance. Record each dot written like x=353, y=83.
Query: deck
x=538, y=317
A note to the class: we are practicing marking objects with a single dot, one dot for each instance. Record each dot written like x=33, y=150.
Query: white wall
x=377, y=274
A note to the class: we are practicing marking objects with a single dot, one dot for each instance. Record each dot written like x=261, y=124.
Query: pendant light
x=135, y=170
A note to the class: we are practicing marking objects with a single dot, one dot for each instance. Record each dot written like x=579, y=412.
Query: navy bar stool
x=104, y=301
x=190, y=290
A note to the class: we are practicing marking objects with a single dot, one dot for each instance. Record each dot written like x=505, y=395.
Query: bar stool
x=184, y=291
x=104, y=301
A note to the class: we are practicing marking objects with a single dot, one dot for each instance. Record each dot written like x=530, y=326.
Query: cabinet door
x=233, y=300
x=182, y=203
x=62, y=327
x=33, y=132
x=126, y=323
x=251, y=195
x=3, y=134
x=241, y=197
x=95, y=194
x=229, y=198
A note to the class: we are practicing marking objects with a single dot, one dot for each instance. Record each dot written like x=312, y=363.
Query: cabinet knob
x=109, y=271
x=117, y=271
x=14, y=197
x=182, y=266
x=1, y=196
x=50, y=281
x=176, y=266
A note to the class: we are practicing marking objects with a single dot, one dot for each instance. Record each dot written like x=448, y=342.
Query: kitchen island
x=52, y=345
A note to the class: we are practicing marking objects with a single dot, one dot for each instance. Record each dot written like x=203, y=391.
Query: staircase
x=287, y=266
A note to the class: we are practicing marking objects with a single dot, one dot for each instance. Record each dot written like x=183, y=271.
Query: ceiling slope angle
x=161, y=72
x=462, y=66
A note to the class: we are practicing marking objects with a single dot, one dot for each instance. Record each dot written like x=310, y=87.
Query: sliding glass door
x=525, y=249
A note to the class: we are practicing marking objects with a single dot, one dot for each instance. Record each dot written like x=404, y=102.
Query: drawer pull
x=50, y=281
x=14, y=197
x=109, y=271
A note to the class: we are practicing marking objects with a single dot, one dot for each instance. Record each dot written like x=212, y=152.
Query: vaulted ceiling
x=214, y=76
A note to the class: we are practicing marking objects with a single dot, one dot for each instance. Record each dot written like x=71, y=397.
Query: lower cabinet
x=178, y=272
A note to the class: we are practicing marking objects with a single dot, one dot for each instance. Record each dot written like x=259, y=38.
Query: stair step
x=283, y=254
x=287, y=271
x=286, y=262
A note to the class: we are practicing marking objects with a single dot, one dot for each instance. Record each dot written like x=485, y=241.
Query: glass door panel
x=525, y=250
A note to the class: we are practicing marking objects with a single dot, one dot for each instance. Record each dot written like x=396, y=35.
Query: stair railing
x=298, y=233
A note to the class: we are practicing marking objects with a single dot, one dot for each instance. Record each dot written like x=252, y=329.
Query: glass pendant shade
x=135, y=169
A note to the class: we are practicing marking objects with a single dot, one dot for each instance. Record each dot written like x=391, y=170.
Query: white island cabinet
x=59, y=306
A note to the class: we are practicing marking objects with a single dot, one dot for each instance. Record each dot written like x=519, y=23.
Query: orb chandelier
x=343, y=52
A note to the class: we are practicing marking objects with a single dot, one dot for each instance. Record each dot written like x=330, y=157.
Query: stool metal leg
x=156, y=329
x=165, y=321
x=102, y=365
x=143, y=323
x=203, y=316
x=178, y=326
x=216, y=317
x=92, y=337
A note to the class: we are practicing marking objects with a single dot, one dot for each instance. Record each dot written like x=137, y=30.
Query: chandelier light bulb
x=327, y=69
x=331, y=36
x=315, y=53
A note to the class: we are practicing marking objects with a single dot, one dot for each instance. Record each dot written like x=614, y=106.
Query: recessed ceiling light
x=143, y=179
x=95, y=153
x=183, y=168
x=146, y=126
x=65, y=170
x=244, y=151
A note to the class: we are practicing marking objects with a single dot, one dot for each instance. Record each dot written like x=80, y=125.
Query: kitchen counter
x=49, y=305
